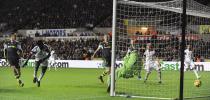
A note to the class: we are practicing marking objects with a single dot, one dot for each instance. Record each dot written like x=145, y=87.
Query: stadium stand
x=24, y=14
x=52, y=14
x=75, y=49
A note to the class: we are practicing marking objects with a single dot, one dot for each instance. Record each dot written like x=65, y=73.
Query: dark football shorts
x=14, y=62
x=107, y=61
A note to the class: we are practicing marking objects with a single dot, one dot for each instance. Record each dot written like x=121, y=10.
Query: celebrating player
x=188, y=62
x=12, y=49
x=106, y=55
x=151, y=63
x=42, y=53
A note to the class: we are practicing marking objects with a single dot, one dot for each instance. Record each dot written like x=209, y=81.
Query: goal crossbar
x=177, y=9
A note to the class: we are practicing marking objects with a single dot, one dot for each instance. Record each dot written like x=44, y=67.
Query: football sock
x=196, y=73
x=104, y=73
x=146, y=77
x=36, y=69
x=159, y=75
x=44, y=69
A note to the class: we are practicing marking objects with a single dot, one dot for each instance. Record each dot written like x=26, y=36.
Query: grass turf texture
x=82, y=84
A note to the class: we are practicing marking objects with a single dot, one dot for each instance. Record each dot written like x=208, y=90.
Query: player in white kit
x=52, y=60
x=188, y=61
x=151, y=63
x=42, y=53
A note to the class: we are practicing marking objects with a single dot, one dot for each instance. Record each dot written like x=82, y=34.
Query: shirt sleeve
x=153, y=52
x=35, y=49
x=19, y=46
x=192, y=55
x=100, y=46
x=5, y=46
x=185, y=51
x=145, y=53
x=129, y=51
x=47, y=48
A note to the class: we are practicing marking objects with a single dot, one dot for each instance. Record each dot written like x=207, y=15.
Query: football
x=197, y=83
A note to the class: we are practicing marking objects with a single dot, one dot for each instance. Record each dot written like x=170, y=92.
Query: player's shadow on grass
x=8, y=90
x=17, y=90
x=152, y=83
x=89, y=86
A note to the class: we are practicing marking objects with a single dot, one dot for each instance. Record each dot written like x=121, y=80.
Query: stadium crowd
x=55, y=14
x=37, y=34
x=72, y=49
x=82, y=49
x=167, y=49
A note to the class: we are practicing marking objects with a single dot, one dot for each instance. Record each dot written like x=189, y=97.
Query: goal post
x=160, y=25
x=112, y=90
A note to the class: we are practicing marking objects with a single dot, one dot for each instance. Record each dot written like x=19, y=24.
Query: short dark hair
x=40, y=43
x=12, y=34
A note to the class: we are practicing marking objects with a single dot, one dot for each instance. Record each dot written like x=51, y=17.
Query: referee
x=12, y=50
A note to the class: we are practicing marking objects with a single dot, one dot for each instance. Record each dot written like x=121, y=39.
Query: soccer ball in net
x=197, y=83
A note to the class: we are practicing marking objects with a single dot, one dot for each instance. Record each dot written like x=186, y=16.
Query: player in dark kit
x=105, y=48
x=42, y=53
x=12, y=49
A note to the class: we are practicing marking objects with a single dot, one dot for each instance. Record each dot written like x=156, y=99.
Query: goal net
x=159, y=24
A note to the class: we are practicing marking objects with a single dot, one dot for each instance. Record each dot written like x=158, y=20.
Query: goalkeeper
x=131, y=64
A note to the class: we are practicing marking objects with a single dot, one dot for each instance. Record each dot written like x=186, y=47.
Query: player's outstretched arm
x=158, y=63
x=95, y=52
x=26, y=62
x=5, y=54
x=20, y=50
x=5, y=51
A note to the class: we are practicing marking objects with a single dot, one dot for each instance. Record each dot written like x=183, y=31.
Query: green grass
x=169, y=87
x=82, y=84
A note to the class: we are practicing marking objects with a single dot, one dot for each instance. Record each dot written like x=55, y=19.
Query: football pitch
x=82, y=84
